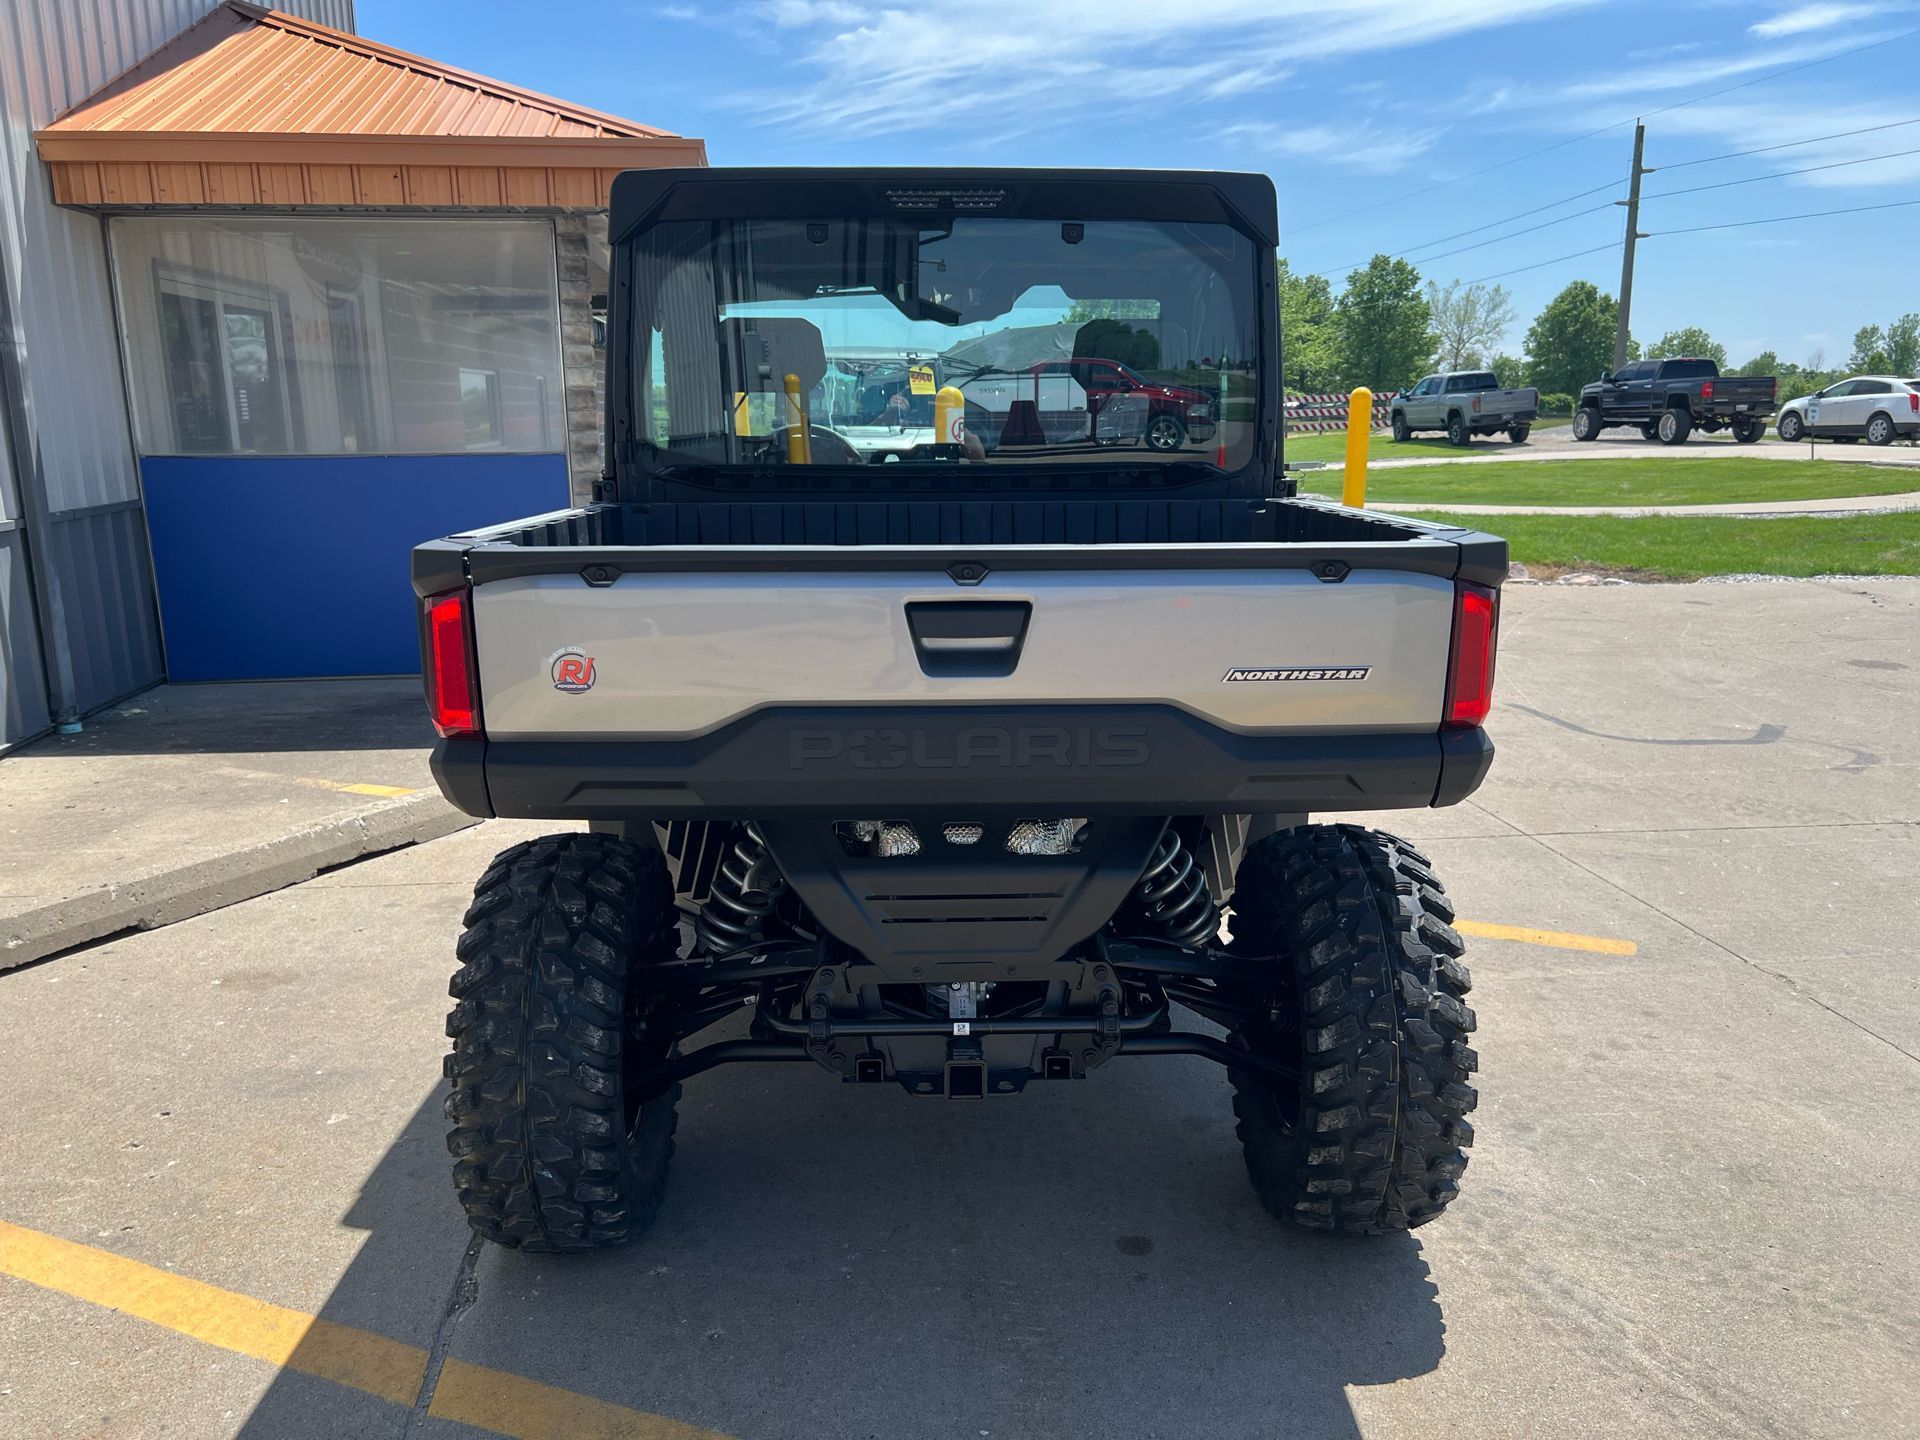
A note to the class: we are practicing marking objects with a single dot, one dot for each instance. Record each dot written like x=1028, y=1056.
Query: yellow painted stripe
x=513, y=1405
x=239, y=1323
x=509, y=1405
x=385, y=792
x=1559, y=939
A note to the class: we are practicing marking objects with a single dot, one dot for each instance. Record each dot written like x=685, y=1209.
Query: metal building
x=276, y=303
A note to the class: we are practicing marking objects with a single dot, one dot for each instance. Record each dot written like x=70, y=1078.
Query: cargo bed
x=1107, y=655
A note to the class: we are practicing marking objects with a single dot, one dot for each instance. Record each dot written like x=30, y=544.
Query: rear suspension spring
x=742, y=896
x=1174, y=894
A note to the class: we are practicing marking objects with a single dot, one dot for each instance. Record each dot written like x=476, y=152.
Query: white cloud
x=1362, y=146
x=1822, y=15
x=957, y=72
x=791, y=14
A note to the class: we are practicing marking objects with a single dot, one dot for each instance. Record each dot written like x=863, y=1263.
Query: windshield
x=965, y=341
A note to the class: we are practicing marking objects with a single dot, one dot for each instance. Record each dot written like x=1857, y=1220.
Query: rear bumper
x=855, y=762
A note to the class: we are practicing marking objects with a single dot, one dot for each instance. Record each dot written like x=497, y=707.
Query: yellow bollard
x=799, y=442
x=949, y=416
x=1359, y=426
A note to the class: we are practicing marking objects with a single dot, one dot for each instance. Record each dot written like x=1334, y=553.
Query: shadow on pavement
x=253, y=717
x=1086, y=1260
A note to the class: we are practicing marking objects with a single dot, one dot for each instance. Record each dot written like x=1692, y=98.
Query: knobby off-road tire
x=1366, y=1001
x=553, y=1017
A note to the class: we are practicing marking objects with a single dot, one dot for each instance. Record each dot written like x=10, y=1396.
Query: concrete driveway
x=1690, y=1209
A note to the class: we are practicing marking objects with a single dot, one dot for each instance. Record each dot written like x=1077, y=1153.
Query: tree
x=1469, y=319
x=1513, y=373
x=1571, y=341
x=1766, y=362
x=1693, y=343
x=1869, y=350
x=1306, y=332
x=1903, y=345
x=1382, y=336
x=1082, y=311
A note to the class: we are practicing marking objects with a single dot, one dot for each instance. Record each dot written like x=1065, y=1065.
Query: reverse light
x=453, y=690
x=1470, y=670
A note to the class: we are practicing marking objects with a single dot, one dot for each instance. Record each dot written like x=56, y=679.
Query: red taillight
x=1470, y=675
x=1476, y=404
x=453, y=694
x=1706, y=390
x=1913, y=401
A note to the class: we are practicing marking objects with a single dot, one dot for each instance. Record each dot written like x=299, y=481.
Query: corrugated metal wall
x=53, y=54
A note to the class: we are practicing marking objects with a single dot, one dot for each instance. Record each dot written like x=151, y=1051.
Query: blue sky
x=1346, y=106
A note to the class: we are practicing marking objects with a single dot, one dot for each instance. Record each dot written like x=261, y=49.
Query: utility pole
x=1632, y=202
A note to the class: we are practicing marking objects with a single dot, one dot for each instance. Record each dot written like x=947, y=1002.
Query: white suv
x=1876, y=407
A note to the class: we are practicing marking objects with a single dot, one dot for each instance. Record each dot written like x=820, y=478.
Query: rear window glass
x=1688, y=370
x=1479, y=380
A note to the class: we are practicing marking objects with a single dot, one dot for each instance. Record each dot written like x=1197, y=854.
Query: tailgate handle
x=969, y=639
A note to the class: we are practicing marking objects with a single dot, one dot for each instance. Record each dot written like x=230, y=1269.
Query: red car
x=1164, y=417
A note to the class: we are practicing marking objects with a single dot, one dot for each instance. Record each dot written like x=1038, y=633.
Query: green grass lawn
x=1686, y=547
x=1629, y=480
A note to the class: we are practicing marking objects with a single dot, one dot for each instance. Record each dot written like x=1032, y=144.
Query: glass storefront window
x=307, y=336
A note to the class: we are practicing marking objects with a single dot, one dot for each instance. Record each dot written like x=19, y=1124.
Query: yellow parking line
x=1559, y=939
x=493, y=1400
x=513, y=1405
x=387, y=792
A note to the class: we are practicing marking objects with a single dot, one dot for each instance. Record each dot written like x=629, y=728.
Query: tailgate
x=666, y=653
x=1742, y=389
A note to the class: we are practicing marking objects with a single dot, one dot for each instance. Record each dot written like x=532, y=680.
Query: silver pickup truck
x=1465, y=403
x=942, y=768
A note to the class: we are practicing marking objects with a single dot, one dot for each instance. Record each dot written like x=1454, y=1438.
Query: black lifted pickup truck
x=1667, y=400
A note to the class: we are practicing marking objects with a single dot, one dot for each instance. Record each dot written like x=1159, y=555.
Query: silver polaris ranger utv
x=938, y=710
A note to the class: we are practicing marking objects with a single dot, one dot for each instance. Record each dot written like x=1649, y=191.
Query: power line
x=1516, y=234
x=1791, y=144
x=1777, y=219
x=1782, y=174
x=1472, y=175
x=1562, y=144
x=1476, y=229
x=1788, y=70
x=1610, y=245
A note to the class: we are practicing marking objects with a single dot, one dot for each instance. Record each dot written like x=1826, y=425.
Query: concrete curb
x=164, y=896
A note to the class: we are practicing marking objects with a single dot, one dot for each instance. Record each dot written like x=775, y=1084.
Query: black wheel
x=1366, y=1004
x=1518, y=433
x=1674, y=426
x=1400, y=431
x=1650, y=431
x=1746, y=431
x=552, y=1149
x=1791, y=426
x=1457, y=432
x=1165, y=433
x=1880, y=430
x=1586, y=423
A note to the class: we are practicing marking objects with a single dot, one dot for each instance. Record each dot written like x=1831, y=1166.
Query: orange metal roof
x=246, y=84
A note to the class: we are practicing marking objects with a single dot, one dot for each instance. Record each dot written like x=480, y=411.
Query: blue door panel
x=282, y=568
